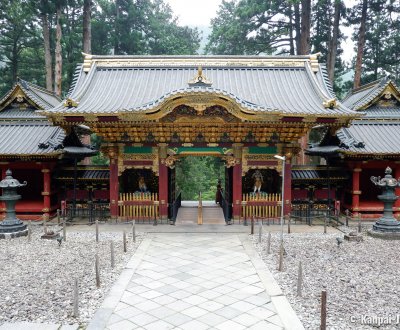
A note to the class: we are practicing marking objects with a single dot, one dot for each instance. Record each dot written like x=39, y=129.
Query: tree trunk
x=58, y=55
x=116, y=28
x=14, y=61
x=291, y=25
x=297, y=26
x=360, y=46
x=47, y=52
x=305, y=27
x=87, y=26
x=332, y=51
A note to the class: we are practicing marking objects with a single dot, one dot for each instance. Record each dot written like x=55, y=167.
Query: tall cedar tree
x=305, y=45
x=333, y=43
x=360, y=45
x=58, y=51
x=44, y=11
x=87, y=26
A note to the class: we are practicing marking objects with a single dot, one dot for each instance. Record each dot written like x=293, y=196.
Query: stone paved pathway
x=191, y=281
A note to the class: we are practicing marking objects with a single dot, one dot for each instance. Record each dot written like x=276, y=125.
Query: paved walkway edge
x=285, y=311
x=100, y=318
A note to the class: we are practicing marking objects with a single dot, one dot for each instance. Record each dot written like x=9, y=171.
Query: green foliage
x=250, y=27
x=194, y=174
x=140, y=27
x=19, y=40
x=382, y=48
x=119, y=27
x=99, y=159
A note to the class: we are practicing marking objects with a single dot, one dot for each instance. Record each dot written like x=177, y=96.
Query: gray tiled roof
x=95, y=173
x=308, y=173
x=20, y=114
x=291, y=90
x=377, y=112
x=371, y=138
x=30, y=139
x=40, y=96
x=360, y=97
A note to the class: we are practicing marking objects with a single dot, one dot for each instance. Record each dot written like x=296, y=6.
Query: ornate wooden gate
x=138, y=206
x=261, y=206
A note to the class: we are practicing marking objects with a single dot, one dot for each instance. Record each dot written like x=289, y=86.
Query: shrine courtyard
x=175, y=278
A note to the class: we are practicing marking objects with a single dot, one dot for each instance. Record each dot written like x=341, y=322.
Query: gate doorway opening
x=194, y=174
x=204, y=189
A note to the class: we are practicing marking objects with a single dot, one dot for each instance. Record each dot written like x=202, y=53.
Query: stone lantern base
x=389, y=235
x=16, y=230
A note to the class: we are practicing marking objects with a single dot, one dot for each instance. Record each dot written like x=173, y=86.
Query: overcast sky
x=200, y=13
x=195, y=12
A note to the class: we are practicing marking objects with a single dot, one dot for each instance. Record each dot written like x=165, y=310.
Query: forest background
x=42, y=41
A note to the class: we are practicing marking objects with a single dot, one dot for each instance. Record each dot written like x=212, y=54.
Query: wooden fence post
x=323, y=310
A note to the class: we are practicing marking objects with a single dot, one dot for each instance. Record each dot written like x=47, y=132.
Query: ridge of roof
x=32, y=85
x=224, y=57
x=29, y=89
x=195, y=60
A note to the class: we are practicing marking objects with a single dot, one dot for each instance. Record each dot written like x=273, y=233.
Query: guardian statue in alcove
x=258, y=182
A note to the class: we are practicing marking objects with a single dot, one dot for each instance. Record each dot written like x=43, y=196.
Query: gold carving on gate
x=91, y=118
x=257, y=157
x=139, y=156
x=230, y=161
x=169, y=161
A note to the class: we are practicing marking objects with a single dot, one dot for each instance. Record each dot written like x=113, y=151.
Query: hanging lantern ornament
x=11, y=226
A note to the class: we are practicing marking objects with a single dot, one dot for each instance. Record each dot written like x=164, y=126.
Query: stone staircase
x=212, y=213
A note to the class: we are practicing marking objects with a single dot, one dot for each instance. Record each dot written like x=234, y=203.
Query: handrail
x=200, y=211
x=175, y=207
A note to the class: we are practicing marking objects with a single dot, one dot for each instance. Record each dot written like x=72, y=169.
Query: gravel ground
x=37, y=277
x=362, y=279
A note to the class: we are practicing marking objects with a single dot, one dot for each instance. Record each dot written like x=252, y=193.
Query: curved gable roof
x=358, y=98
x=288, y=85
x=42, y=98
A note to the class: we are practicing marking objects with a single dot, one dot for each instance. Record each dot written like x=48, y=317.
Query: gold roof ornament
x=330, y=104
x=70, y=103
x=200, y=79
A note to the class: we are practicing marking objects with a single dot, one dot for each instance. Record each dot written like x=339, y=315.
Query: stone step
x=211, y=215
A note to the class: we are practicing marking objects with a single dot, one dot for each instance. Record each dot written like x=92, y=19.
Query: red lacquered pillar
x=237, y=190
x=356, y=191
x=114, y=187
x=46, y=193
x=287, y=188
x=163, y=189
